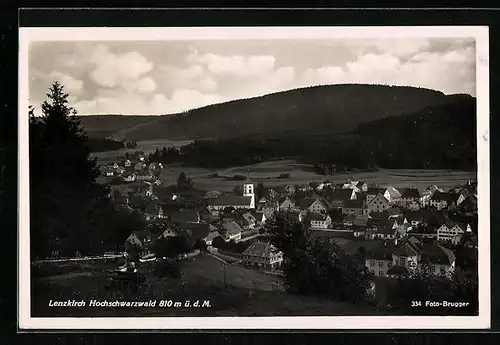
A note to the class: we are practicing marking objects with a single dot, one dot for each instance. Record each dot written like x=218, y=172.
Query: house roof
x=184, y=216
x=434, y=254
x=379, y=215
x=411, y=193
x=318, y=217
x=357, y=203
x=361, y=220
x=398, y=270
x=197, y=231
x=443, y=196
x=385, y=227
x=405, y=249
x=322, y=202
x=211, y=235
x=375, y=191
x=341, y=194
x=153, y=208
x=259, y=249
x=392, y=211
x=380, y=251
x=231, y=228
x=249, y=218
x=336, y=216
x=231, y=200
x=415, y=216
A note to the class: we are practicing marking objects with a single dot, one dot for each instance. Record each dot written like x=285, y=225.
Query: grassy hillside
x=329, y=109
x=102, y=126
x=438, y=137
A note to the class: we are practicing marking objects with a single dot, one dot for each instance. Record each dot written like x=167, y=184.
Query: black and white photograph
x=254, y=178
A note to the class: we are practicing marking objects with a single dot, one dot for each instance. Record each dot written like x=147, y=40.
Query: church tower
x=248, y=190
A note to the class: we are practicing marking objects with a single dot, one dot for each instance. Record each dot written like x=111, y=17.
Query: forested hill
x=438, y=137
x=328, y=109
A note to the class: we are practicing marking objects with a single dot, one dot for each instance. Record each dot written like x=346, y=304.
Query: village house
x=340, y=197
x=144, y=176
x=452, y=232
x=469, y=240
x=246, y=201
x=127, y=163
x=153, y=211
x=442, y=200
x=142, y=239
x=351, y=185
x=414, y=205
x=355, y=207
x=290, y=189
x=119, y=170
x=260, y=217
x=139, y=166
x=320, y=221
x=288, y=205
x=386, y=230
x=423, y=232
x=154, y=166
x=415, y=218
x=195, y=231
x=349, y=220
x=213, y=233
x=394, y=212
x=168, y=231
x=108, y=171
x=320, y=206
x=231, y=231
x=129, y=177
x=262, y=255
x=409, y=195
x=379, y=203
x=250, y=222
x=379, y=260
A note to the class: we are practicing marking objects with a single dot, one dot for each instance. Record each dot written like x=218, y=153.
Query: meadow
x=249, y=293
x=268, y=173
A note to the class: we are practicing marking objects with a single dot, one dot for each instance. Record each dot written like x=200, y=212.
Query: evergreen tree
x=316, y=266
x=68, y=207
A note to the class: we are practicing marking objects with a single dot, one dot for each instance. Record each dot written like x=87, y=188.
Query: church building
x=245, y=201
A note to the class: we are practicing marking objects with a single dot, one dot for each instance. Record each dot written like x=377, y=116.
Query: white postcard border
x=481, y=35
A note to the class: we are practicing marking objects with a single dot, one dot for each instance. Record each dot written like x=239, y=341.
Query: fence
x=87, y=259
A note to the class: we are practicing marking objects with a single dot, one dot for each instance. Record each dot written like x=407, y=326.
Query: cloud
x=450, y=72
x=234, y=65
x=114, y=69
x=208, y=84
x=130, y=103
x=71, y=85
x=143, y=85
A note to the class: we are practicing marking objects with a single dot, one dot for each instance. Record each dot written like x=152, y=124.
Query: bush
x=167, y=269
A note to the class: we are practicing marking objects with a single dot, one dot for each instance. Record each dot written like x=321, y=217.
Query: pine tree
x=69, y=209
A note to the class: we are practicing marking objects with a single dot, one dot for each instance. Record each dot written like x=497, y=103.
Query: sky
x=166, y=77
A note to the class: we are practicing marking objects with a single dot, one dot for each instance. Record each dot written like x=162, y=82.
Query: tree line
x=105, y=144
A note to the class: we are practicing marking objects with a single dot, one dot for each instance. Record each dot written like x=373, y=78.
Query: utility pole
x=224, y=264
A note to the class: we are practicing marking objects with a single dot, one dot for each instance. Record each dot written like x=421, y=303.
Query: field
x=268, y=173
x=249, y=293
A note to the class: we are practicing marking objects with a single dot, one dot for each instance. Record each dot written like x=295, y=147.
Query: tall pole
x=225, y=277
x=224, y=263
